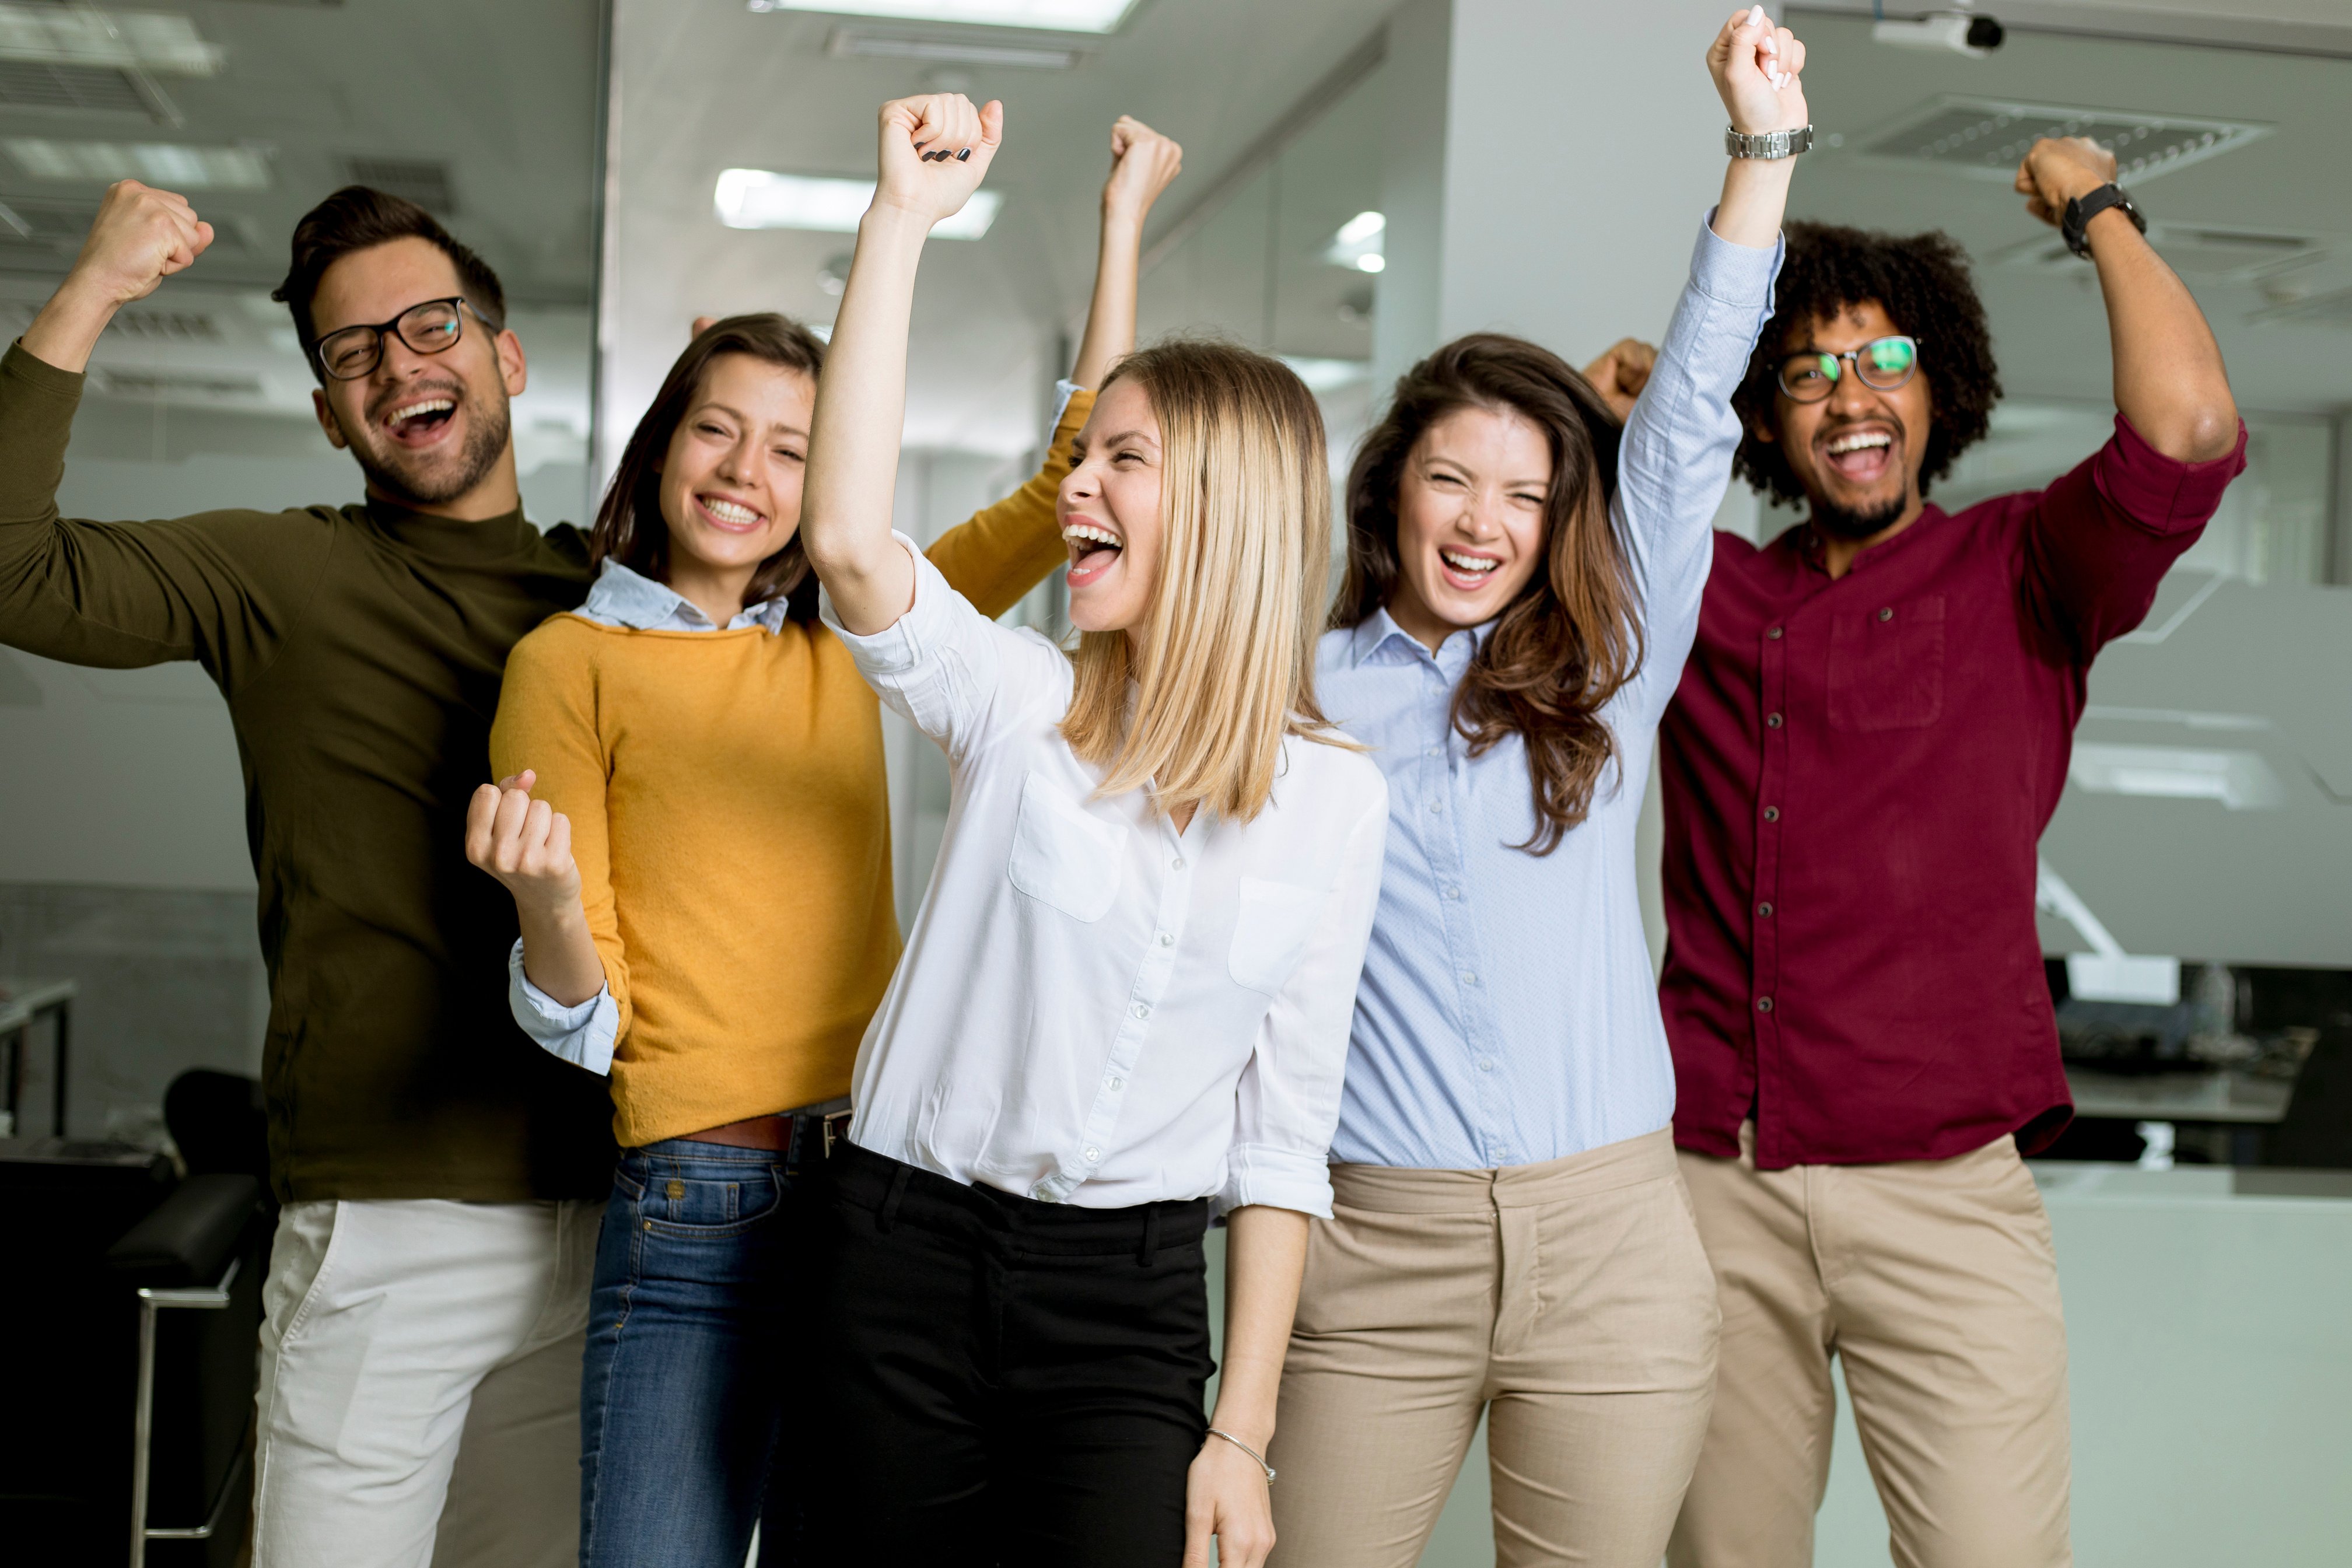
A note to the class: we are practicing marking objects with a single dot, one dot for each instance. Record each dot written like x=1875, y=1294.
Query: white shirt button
x=1168, y=939
x=1469, y=977
x=1093, y=1155
x=1451, y=891
x=1485, y=1064
x=1436, y=750
x=1435, y=806
x=1115, y=1083
x=1177, y=864
x=1141, y=1011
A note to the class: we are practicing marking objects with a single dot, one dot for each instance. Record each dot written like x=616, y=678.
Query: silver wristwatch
x=1768, y=145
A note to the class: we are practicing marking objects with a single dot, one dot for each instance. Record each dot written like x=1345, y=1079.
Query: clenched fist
x=1142, y=162
x=934, y=152
x=1619, y=374
x=525, y=844
x=141, y=236
x=2058, y=169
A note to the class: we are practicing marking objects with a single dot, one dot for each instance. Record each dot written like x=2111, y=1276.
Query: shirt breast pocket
x=1271, y=931
x=1061, y=855
x=1886, y=667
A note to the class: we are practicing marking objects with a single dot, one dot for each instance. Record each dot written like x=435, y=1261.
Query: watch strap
x=2075, y=224
x=1767, y=143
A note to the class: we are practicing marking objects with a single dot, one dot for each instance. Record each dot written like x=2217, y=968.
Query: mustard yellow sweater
x=732, y=827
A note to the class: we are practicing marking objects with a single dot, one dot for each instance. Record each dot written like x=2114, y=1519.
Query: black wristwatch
x=2083, y=208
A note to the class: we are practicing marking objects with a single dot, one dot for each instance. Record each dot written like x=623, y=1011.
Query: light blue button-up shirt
x=1507, y=1015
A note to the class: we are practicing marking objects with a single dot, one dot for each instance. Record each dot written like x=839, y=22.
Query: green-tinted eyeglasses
x=428, y=329
x=1882, y=364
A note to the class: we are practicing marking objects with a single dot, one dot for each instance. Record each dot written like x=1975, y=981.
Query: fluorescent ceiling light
x=80, y=35
x=166, y=163
x=1323, y=375
x=1051, y=15
x=760, y=198
x=856, y=42
x=1359, y=243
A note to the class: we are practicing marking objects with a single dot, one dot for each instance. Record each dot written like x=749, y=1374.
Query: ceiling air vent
x=2321, y=311
x=99, y=90
x=425, y=184
x=1987, y=138
x=166, y=326
x=2221, y=252
x=166, y=383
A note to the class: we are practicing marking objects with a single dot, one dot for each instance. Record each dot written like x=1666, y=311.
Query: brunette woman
x=698, y=841
x=1126, y=999
x=1510, y=1237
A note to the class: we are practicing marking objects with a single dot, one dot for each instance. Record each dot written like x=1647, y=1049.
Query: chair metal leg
x=152, y=1302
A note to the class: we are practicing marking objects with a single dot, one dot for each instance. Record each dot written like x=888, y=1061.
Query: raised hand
x=2057, y=169
x=934, y=152
x=525, y=844
x=1756, y=66
x=1142, y=162
x=1619, y=374
x=141, y=236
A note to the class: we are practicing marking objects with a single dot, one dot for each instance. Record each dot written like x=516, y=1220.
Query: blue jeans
x=694, y=1329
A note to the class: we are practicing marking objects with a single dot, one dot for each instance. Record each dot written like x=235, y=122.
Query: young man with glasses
x=442, y=1179
x=1868, y=738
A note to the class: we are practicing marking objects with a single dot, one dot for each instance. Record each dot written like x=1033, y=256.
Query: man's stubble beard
x=1855, y=524
x=487, y=432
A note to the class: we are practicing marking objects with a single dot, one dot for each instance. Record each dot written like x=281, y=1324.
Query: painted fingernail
x=963, y=155
x=1755, y=17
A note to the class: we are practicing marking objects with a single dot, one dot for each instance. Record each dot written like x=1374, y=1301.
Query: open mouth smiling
x=421, y=421
x=729, y=515
x=1094, y=549
x=1862, y=456
x=1467, y=570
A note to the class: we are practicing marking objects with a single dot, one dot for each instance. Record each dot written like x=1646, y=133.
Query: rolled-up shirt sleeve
x=1286, y=1104
x=582, y=1036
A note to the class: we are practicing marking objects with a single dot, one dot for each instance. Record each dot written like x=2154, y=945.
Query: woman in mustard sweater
x=696, y=833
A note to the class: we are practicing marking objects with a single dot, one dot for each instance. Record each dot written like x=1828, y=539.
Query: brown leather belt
x=775, y=1132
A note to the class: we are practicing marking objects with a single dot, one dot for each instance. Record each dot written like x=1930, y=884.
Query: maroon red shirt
x=1857, y=774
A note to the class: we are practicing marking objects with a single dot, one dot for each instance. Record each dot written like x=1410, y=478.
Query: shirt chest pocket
x=1271, y=931
x=1886, y=667
x=1061, y=855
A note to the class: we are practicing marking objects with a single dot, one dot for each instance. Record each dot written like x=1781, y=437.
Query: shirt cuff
x=899, y=647
x=1278, y=1178
x=1062, y=392
x=1734, y=274
x=2159, y=492
x=582, y=1036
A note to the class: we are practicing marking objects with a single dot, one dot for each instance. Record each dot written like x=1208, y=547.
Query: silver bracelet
x=1767, y=143
x=1246, y=1448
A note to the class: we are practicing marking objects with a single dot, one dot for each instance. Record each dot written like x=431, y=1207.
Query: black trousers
x=1002, y=1380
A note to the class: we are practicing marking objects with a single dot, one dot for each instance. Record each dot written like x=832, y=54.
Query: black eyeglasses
x=351, y=353
x=1882, y=364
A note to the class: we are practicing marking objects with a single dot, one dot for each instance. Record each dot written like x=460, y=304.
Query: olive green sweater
x=360, y=649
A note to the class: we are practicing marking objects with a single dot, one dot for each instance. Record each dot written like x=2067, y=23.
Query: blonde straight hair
x=1225, y=669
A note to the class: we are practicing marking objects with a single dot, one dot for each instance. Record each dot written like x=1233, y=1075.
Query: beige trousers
x=420, y=1385
x=1935, y=1284
x=1570, y=1302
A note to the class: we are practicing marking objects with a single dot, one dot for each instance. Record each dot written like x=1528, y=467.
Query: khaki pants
x=1935, y=1282
x=1570, y=1302
x=420, y=1385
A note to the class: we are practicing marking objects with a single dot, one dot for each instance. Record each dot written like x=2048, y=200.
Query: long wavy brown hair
x=630, y=527
x=1573, y=637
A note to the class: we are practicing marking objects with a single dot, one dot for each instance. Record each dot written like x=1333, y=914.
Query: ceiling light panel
x=1987, y=138
x=77, y=34
x=951, y=49
x=762, y=198
x=1046, y=15
x=1361, y=243
x=172, y=166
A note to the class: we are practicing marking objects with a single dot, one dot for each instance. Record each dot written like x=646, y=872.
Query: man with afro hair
x=1868, y=738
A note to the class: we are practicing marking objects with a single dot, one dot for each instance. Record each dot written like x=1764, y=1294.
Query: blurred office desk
x=2213, y=1094
x=22, y=1004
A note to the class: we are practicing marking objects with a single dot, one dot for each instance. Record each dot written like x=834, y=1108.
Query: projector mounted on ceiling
x=1961, y=32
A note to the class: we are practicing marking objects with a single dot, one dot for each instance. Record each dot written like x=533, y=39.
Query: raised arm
x=2169, y=380
x=1000, y=554
x=1757, y=67
x=141, y=236
x=933, y=156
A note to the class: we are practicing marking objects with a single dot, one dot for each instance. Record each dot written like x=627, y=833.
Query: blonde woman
x=699, y=847
x=1126, y=999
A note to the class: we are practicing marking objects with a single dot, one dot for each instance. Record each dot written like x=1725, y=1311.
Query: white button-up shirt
x=1094, y=1008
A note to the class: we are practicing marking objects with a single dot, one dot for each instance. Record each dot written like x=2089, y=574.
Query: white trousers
x=420, y=1386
